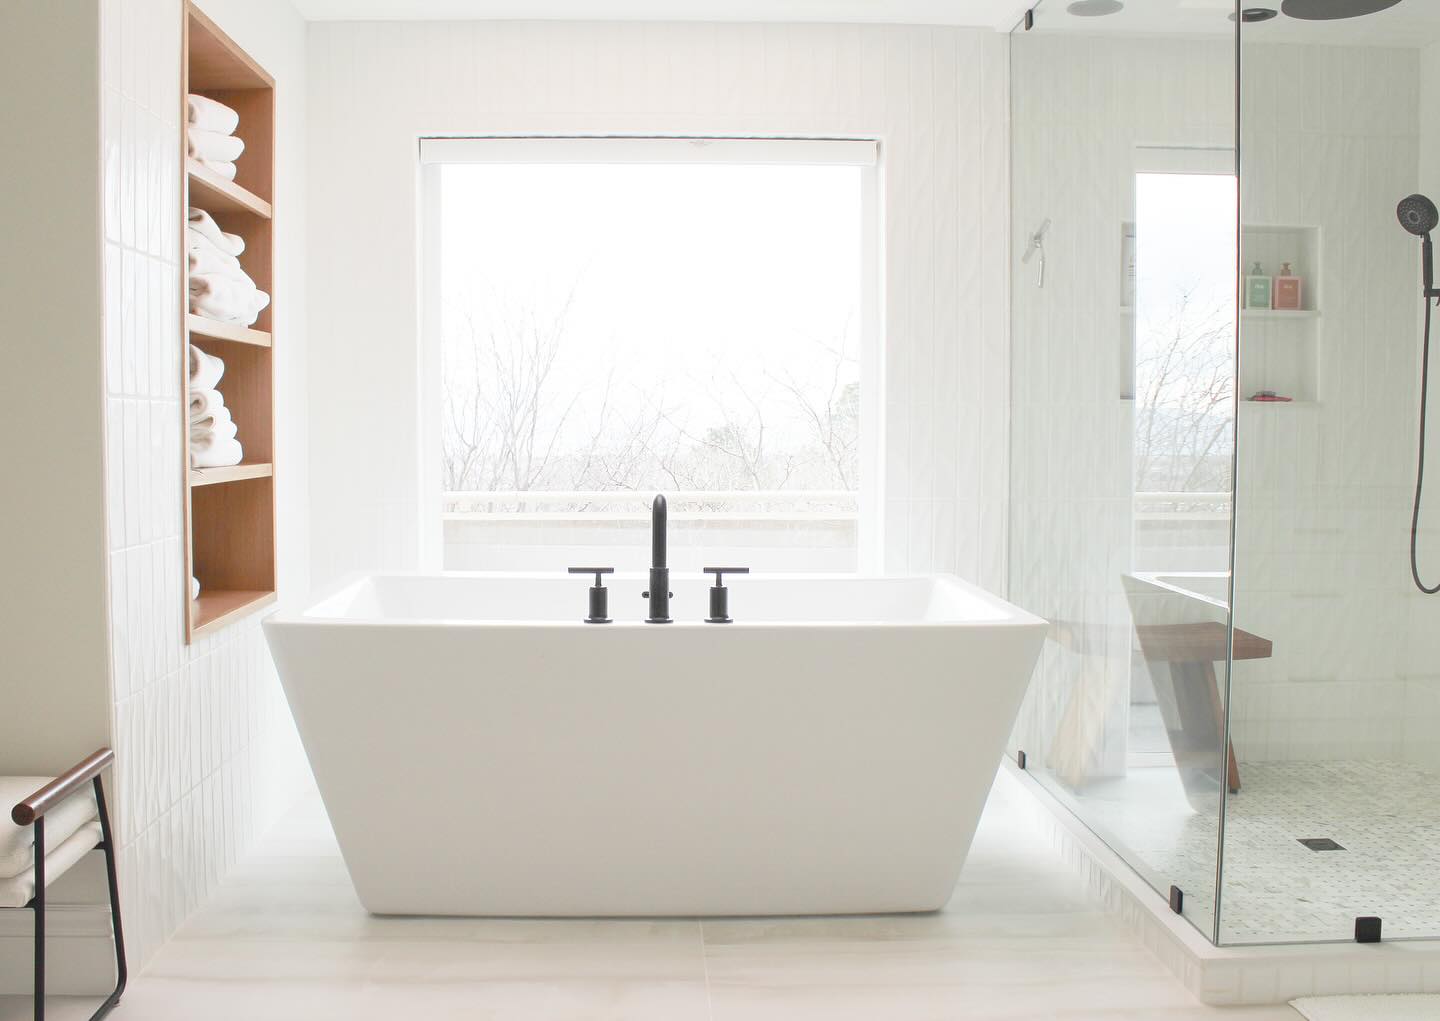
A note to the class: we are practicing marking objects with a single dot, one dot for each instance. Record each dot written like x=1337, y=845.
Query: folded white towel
x=205, y=369
x=213, y=430
x=222, y=168
x=215, y=453
x=212, y=418
x=205, y=225
x=226, y=299
x=213, y=145
x=205, y=402
x=210, y=114
x=206, y=259
x=194, y=587
x=217, y=423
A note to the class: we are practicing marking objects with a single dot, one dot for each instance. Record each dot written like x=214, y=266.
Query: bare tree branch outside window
x=510, y=422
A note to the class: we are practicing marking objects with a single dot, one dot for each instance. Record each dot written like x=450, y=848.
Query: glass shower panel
x=1336, y=702
x=1123, y=318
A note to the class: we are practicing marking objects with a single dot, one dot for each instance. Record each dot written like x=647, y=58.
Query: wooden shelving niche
x=230, y=511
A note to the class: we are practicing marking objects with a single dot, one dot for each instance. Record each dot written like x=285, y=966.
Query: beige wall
x=54, y=669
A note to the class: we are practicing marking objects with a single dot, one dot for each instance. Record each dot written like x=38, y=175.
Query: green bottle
x=1258, y=288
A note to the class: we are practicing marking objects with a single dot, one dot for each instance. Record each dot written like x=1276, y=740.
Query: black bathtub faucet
x=659, y=593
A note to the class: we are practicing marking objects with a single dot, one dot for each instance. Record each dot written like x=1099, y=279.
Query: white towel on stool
x=212, y=146
x=215, y=453
x=205, y=402
x=204, y=223
x=205, y=369
x=210, y=114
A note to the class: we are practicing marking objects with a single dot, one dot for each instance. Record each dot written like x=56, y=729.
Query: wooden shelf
x=213, y=610
x=212, y=193
x=231, y=473
x=216, y=330
x=229, y=512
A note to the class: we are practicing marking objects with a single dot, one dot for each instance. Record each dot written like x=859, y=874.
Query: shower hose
x=1429, y=590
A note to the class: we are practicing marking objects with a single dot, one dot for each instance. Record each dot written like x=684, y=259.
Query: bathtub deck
x=284, y=938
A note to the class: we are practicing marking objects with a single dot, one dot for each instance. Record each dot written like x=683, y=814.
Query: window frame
x=437, y=151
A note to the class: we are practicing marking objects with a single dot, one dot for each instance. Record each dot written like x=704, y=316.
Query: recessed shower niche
x=1281, y=352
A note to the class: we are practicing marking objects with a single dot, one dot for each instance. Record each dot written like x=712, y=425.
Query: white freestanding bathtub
x=481, y=751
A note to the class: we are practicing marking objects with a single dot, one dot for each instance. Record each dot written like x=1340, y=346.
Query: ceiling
x=998, y=14
x=1411, y=23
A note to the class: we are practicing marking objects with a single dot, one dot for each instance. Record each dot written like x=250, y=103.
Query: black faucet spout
x=658, y=524
x=659, y=593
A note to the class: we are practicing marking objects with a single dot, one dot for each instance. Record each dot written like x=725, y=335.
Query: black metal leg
x=38, y=903
x=108, y=843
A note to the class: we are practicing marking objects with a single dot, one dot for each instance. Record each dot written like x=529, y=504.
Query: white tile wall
x=205, y=746
x=937, y=98
x=1330, y=139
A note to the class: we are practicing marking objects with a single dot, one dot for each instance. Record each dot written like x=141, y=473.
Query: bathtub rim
x=1010, y=615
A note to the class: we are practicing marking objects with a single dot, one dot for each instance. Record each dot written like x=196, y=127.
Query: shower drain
x=1321, y=844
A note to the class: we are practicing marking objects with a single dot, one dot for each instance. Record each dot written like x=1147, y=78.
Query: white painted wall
x=55, y=681
x=206, y=748
x=936, y=98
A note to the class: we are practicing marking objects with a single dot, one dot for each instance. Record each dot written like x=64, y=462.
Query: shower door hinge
x=1020, y=759
x=1367, y=929
x=1177, y=899
x=1029, y=19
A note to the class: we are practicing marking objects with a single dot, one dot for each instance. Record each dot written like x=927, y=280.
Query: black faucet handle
x=720, y=595
x=599, y=594
x=720, y=573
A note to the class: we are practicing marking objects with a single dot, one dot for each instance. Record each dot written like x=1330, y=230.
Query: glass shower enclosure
x=1216, y=353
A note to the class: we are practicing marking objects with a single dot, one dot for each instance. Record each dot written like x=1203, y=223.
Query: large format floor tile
x=285, y=938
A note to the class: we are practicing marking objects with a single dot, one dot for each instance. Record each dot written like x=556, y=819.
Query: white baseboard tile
x=1227, y=976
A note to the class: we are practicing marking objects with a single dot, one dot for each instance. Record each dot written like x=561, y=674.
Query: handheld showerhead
x=1418, y=215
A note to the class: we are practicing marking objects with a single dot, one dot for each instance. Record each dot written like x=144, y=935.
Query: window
x=609, y=318
x=1184, y=312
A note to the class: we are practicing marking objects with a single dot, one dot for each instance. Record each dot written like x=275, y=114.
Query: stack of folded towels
x=219, y=288
x=210, y=135
x=212, y=430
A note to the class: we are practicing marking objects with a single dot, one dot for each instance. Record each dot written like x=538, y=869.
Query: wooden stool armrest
x=36, y=805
